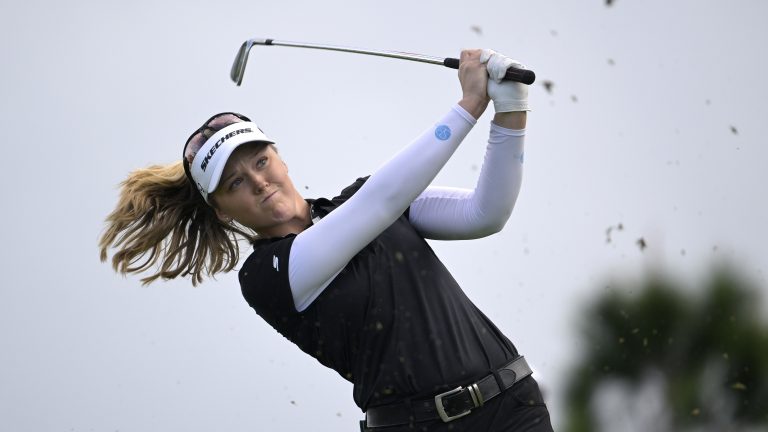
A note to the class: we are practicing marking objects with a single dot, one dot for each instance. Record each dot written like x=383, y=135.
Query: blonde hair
x=162, y=220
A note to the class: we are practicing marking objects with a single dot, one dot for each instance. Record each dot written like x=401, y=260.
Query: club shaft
x=238, y=67
x=391, y=54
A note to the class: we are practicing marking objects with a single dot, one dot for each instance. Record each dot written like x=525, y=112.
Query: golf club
x=524, y=76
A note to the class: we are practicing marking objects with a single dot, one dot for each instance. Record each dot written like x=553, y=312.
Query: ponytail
x=162, y=220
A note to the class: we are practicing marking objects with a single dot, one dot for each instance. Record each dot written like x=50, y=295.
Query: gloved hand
x=507, y=96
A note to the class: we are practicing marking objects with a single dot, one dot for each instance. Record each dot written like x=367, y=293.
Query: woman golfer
x=351, y=280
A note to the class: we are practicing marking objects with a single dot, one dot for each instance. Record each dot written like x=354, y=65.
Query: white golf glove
x=507, y=96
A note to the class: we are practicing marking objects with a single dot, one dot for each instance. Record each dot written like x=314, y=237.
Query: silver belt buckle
x=477, y=401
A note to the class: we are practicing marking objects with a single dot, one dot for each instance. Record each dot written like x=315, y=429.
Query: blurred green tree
x=664, y=357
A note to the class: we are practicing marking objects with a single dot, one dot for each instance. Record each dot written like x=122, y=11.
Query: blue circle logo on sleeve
x=443, y=132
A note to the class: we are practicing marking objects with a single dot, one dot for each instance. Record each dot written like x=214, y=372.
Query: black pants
x=520, y=408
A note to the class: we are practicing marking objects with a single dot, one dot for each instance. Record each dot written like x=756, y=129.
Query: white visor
x=208, y=164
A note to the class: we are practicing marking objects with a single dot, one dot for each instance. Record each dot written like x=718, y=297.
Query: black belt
x=452, y=404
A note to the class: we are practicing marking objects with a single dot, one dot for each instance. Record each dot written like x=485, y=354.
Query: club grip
x=525, y=76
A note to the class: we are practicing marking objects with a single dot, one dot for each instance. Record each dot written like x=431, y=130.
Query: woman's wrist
x=511, y=120
x=474, y=105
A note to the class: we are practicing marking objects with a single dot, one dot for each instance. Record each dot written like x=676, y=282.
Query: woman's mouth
x=268, y=197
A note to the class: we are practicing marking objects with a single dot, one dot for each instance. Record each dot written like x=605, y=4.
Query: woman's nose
x=259, y=182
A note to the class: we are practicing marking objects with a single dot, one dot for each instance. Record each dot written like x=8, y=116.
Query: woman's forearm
x=456, y=214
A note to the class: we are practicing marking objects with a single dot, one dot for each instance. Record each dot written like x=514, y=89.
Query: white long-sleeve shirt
x=403, y=182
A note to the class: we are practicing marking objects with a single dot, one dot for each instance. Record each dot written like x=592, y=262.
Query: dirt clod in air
x=619, y=227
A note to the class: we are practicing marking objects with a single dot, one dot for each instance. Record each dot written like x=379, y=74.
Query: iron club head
x=238, y=67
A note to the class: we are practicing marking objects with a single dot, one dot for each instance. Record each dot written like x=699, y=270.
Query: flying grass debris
x=619, y=227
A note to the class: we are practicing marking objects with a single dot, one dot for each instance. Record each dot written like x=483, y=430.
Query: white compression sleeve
x=379, y=202
x=452, y=213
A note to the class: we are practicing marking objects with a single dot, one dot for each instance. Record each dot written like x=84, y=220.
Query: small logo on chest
x=275, y=262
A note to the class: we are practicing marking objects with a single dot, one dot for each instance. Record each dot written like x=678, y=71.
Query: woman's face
x=255, y=190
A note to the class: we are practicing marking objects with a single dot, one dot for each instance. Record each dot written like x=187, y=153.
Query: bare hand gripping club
x=524, y=76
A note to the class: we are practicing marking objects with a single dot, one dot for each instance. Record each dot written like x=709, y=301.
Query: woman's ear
x=223, y=216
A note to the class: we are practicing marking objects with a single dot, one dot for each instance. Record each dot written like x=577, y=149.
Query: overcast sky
x=653, y=121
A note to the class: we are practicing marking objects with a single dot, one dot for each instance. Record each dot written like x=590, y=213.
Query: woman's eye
x=235, y=183
x=261, y=162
